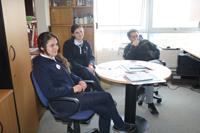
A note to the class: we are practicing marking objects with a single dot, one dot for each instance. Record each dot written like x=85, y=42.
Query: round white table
x=116, y=71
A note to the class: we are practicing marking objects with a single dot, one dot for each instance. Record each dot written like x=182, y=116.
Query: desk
x=112, y=71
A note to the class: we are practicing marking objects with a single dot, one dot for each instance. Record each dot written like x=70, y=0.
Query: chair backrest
x=140, y=37
x=39, y=92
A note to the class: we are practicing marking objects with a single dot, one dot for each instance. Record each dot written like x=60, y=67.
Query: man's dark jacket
x=145, y=50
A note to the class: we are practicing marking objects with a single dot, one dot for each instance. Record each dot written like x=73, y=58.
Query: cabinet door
x=89, y=36
x=63, y=33
x=20, y=63
x=61, y=16
x=5, y=78
x=8, y=117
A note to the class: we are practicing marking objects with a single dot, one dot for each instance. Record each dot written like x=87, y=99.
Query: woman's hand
x=77, y=88
x=91, y=68
x=83, y=85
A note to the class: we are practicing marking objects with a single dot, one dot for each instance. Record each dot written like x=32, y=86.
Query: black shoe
x=153, y=109
x=127, y=128
x=140, y=103
x=95, y=130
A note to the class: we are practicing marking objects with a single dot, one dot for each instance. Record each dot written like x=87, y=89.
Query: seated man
x=139, y=49
x=55, y=79
x=79, y=53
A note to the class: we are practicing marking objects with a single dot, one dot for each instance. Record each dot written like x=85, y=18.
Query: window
x=174, y=23
x=131, y=12
x=176, y=40
x=121, y=14
x=176, y=13
x=107, y=12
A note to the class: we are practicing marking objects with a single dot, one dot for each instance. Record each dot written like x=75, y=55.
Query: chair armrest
x=91, y=84
x=163, y=62
x=72, y=103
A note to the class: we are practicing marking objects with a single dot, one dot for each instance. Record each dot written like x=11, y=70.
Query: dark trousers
x=85, y=74
x=101, y=103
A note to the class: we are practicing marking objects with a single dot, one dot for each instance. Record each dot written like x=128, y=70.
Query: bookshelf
x=32, y=31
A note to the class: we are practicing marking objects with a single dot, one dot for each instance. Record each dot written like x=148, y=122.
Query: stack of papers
x=140, y=76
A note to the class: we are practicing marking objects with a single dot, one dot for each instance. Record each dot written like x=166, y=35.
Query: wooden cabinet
x=63, y=32
x=5, y=78
x=89, y=35
x=14, y=19
x=8, y=118
x=61, y=15
x=64, y=13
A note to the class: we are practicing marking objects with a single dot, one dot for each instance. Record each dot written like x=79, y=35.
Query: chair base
x=77, y=128
x=159, y=99
x=142, y=125
x=94, y=130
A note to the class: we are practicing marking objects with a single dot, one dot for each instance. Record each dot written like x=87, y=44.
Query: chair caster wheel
x=159, y=100
x=140, y=103
x=156, y=93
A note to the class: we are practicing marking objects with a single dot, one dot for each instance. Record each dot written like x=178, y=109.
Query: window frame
x=151, y=29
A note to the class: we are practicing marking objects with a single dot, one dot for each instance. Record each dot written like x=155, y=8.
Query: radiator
x=170, y=56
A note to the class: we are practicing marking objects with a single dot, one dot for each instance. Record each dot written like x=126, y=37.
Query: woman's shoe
x=127, y=128
x=140, y=103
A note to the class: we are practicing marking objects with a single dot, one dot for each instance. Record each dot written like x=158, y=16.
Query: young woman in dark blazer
x=79, y=54
x=55, y=79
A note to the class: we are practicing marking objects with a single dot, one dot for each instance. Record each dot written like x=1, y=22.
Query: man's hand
x=135, y=42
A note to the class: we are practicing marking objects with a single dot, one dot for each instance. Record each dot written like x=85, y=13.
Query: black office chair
x=72, y=115
x=141, y=90
x=156, y=96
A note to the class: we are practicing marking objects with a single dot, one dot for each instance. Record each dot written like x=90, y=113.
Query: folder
x=139, y=76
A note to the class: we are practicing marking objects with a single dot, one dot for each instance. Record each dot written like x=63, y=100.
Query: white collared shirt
x=46, y=56
x=79, y=44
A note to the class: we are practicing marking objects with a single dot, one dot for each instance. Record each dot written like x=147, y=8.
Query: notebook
x=139, y=76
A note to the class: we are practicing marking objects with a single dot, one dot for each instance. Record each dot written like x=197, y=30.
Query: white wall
x=42, y=15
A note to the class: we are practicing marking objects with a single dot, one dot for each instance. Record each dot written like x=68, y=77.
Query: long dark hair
x=43, y=40
x=42, y=45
